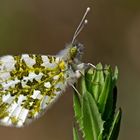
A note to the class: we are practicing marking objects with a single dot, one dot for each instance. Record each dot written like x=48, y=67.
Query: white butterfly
x=29, y=83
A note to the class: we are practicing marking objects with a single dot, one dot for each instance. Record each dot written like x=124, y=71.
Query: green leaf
x=75, y=134
x=106, y=94
x=115, y=76
x=107, y=99
x=95, y=105
x=100, y=137
x=109, y=119
x=77, y=109
x=92, y=122
x=88, y=79
x=97, y=81
x=115, y=128
x=77, y=106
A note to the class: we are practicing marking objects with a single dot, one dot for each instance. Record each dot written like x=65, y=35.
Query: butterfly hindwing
x=28, y=84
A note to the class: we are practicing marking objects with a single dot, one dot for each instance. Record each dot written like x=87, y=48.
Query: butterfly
x=29, y=83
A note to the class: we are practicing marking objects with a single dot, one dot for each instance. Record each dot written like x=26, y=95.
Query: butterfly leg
x=91, y=65
x=75, y=89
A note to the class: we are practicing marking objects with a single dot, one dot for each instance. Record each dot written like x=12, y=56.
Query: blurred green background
x=111, y=37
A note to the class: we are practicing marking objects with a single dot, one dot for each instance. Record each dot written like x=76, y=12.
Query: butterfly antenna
x=82, y=24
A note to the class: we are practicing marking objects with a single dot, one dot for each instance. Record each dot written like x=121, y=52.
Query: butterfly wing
x=28, y=85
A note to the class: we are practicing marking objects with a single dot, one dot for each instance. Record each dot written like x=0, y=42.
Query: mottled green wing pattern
x=28, y=84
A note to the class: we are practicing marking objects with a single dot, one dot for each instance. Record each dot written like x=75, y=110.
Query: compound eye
x=73, y=51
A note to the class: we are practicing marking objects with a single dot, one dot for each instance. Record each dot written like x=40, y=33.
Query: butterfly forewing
x=28, y=84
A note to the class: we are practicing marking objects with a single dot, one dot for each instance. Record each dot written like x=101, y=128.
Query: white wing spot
x=45, y=60
x=6, y=97
x=10, y=83
x=56, y=77
x=28, y=60
x=35, y=94
x=57, y=60
x=32, y=76
x=39, y=96
x=19, y=124
x=17, y=111
x=7, y=63
x=47, y=84
x=21, y=98
x=4, y=76
x=5, y=121
x=23, y=114
x=12, y=108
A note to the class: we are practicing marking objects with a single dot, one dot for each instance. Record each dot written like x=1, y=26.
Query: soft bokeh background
x=112, y=37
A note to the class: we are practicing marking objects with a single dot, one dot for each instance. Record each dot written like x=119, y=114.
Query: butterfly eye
x=73, y=51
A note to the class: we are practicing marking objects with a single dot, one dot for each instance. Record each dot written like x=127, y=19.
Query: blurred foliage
x=95, y=105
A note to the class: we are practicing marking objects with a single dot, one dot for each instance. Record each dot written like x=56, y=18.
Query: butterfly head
x=73, y=52
x=76, y=52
